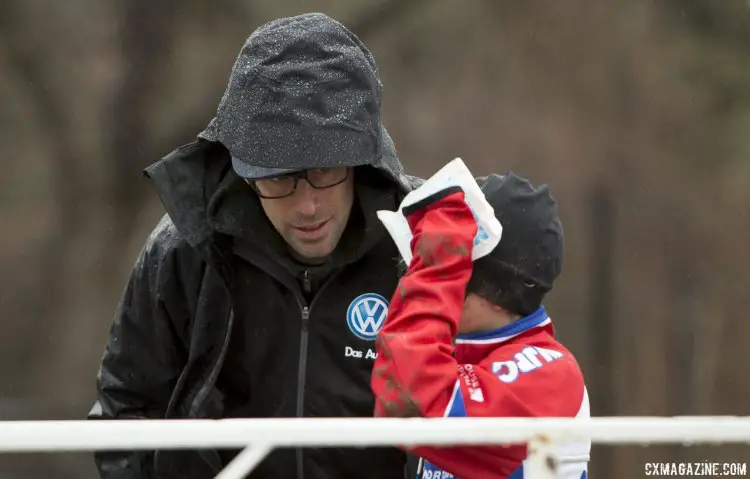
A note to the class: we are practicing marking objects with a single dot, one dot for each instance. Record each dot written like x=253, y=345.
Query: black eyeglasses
x=286, y=185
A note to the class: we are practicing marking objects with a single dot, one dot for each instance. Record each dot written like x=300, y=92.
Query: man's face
x=311, y=220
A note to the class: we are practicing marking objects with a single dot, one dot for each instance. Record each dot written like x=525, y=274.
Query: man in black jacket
x=261, y=290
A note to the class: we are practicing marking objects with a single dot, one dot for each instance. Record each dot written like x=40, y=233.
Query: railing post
x=247, y=460
x=541, y=461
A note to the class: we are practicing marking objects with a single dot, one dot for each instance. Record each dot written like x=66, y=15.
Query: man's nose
x=306, y=198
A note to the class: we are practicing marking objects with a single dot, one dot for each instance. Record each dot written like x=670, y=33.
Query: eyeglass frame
x=297, y=175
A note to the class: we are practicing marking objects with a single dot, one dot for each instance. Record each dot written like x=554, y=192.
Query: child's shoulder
x=540, y=370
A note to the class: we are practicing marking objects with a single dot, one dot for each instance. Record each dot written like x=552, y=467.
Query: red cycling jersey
x=425, y=369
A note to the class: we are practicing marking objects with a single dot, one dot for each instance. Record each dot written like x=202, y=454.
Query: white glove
x=455, y=173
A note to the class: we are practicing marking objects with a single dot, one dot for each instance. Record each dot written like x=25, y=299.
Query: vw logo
x=366, y=315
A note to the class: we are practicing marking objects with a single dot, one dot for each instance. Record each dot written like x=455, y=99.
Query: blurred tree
x=635, y=113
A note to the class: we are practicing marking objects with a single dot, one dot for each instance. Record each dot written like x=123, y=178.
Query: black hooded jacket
x=217, y=319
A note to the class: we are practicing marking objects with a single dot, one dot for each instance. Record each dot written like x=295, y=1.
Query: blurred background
x=635, y=112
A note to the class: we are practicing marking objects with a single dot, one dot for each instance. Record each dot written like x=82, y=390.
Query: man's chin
x=309, y=254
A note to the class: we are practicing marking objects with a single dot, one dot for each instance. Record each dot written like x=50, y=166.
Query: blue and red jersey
x=425, y=369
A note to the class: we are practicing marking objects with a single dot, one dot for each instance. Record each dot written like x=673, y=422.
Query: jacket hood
x=304, y=92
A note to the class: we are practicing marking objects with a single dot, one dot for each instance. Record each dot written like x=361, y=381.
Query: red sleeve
x=415, y=373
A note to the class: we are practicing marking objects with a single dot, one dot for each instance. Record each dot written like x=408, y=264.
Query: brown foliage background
x=634, y=112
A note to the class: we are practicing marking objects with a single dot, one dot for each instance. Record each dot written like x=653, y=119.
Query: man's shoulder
x=165, y=241
x=165, y=235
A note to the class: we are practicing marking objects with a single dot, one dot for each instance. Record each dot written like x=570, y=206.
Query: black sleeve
x=144, y=354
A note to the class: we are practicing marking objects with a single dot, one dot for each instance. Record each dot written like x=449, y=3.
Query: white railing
x=260, y=436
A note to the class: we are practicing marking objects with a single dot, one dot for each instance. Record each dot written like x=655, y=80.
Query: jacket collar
x=537, y=319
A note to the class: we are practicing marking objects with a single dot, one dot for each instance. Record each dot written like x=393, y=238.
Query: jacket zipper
x=302, y=370
x=301, y=382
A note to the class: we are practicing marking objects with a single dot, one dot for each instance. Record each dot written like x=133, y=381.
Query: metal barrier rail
x=260, y=436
